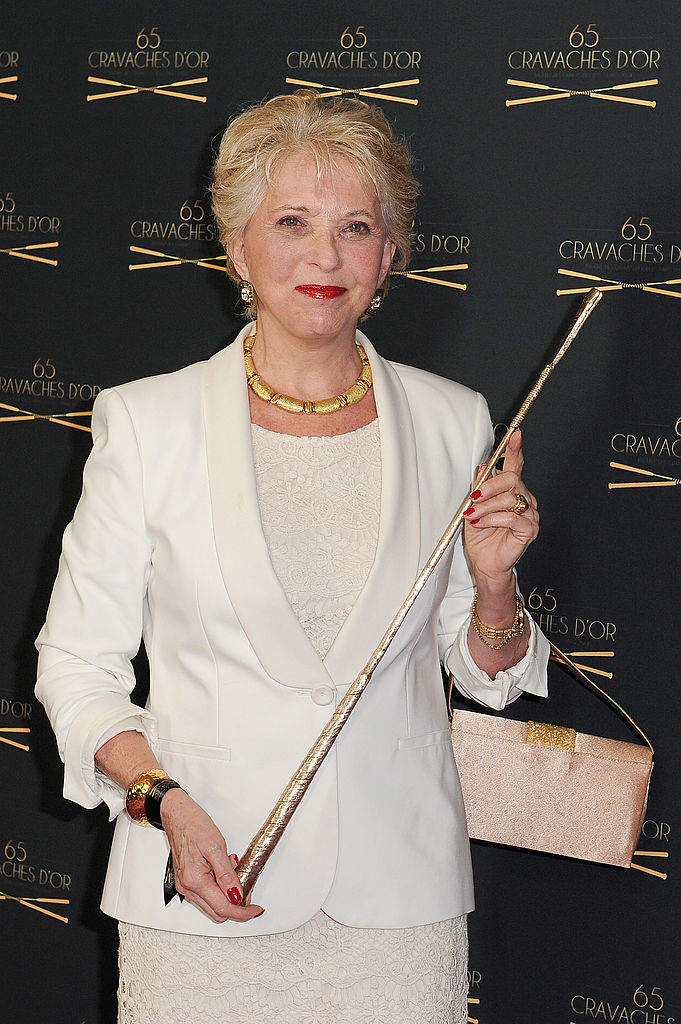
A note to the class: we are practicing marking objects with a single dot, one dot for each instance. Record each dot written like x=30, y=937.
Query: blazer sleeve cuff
x=528, y=676
x=83, y=782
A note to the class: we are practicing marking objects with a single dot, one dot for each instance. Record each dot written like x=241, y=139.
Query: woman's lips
x=320, y=291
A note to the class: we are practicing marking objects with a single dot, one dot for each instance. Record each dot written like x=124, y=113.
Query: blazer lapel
x=396, y=563
x=255, y=592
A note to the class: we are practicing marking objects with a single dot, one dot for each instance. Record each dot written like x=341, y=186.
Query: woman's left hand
x=495, y=537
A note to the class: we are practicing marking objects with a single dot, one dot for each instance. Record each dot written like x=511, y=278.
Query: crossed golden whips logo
x=589, y=668
x=652, y=479
x=608, y=92
x=4, y=81
x=27, y=252
x=375, y=92
x=15, y=865
x=118, y=89
x=14, y=743
x=163, y=259
x=425, y=275
x=37, y=903
x=64, y=419
x=608, y=284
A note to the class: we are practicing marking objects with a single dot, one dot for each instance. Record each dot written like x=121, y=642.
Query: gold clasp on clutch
x=544, y=735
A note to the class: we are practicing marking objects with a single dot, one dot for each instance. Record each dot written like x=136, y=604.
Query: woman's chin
x=322, y=324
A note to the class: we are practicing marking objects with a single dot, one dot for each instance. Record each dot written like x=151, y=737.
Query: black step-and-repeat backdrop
x=547, y=141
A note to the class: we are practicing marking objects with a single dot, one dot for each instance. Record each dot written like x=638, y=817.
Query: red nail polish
x=234, y=896
x=236, y=859
x=474, y=522
x=259, y=914
x=475, y=495
x=469, y=511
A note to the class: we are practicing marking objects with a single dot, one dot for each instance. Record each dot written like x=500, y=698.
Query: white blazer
x=166, y=544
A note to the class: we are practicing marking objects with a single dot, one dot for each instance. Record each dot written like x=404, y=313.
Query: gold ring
x=521, y=505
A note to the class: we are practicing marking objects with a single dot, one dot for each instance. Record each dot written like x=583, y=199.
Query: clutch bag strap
x=563, y=659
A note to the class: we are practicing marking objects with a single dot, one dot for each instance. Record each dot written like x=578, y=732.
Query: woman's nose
x=325, y=251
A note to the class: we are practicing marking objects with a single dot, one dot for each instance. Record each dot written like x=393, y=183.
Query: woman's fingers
x=513, y=459
x=209, y=881
x=523, y=528
x=499, y=494
x=492, y=507
x=204, y=872
x=495, y=535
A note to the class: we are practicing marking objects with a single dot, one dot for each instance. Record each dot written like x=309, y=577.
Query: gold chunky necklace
x=297, y=405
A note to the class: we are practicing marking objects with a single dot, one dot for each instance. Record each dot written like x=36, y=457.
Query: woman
x=261, y=545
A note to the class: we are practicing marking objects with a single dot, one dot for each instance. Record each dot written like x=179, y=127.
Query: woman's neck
x=306, y=368
x=309, y=370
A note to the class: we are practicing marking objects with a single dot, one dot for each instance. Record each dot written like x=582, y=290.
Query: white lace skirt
x=320, y=973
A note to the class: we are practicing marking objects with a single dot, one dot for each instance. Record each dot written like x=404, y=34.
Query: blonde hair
x=256, y=142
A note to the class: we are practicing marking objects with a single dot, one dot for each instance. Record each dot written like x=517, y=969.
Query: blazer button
x=322, y=695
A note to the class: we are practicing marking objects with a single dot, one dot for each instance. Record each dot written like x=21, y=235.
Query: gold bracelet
x=137, y=794
x=487, y=633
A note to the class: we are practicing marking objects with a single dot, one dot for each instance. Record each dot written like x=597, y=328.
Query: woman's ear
x=237, y=254
x=388, y=253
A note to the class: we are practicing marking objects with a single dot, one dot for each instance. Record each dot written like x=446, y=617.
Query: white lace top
x=320, y=500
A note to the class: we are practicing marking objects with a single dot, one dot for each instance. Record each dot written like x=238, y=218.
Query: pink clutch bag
x=550, y=788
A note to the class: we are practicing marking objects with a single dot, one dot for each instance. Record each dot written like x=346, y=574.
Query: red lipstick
x=320, y=291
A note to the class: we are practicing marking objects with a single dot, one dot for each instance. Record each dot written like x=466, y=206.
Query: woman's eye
x=289, y=222
x=357, y=227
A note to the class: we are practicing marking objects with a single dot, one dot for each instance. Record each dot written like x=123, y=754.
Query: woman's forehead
x=300, y=173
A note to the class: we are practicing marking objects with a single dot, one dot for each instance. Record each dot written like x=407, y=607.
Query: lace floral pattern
x=320, y=973
x=319, y=504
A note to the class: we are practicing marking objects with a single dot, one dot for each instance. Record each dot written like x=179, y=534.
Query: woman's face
x=315, y=251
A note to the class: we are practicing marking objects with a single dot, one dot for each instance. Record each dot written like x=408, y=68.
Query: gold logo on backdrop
x=649, y=445
x=163, y=259
x=9, y=59
x=14, y=221
x=27, y=252
x=16, y=865
x=650, y=871
x=653, y=479
x=424, y=275
x=45, y=384
x=427, y=244
x=636, y=244
x=607, y=284
x=587, y=654
x=606, y=92
x=6, y=81
x=18, y=709
x=24, y=415
x=659, y=830
x=644, y=1006
x=148, y=55
x=584, y=54
x=122, y=89
x=38, y=903
x=191, y=224
x=354, y=55
x=13, y=743
x=370, y=91
x=543, y=604
x=472, y=1001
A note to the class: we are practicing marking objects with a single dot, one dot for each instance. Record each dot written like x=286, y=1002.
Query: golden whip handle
x=262, y=845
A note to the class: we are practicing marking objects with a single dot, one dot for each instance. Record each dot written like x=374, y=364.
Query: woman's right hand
x=204, y=871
